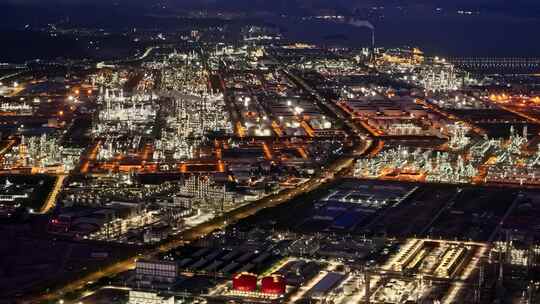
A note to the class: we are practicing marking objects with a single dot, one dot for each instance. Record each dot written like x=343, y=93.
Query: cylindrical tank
x=245, y=282
x=274, y=284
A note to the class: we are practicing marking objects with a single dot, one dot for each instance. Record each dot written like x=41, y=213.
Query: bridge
x=497, y=63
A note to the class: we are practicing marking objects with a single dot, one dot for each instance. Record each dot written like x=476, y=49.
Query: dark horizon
x=270, y=151
x=523, y=8
x=495, y=28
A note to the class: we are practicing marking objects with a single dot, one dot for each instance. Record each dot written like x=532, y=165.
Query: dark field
x=432, y=210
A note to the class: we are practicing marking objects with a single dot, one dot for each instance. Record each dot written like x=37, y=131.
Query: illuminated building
x=156, y=271
x=274, y=284
x=245, y=282
x=41, y=154
x=207, y=194
x=148, y=297
x=440, y=76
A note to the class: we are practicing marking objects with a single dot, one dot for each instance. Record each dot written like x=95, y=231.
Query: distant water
x=459, y=36
x=19, y=46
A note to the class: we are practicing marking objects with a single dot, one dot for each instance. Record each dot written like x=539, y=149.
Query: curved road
x=330, y=173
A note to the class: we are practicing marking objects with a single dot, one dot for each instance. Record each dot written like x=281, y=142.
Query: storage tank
x=245, y=282
x=274, y=284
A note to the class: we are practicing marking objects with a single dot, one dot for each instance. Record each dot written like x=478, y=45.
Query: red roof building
x=274, y=284
x=245, y=282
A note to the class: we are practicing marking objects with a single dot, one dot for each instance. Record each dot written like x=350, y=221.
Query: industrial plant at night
x=270, y=152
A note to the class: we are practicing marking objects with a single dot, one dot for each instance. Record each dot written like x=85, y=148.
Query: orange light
x=89, y=92
x=61, y=113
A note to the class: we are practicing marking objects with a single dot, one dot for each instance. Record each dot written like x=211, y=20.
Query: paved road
x=330, y=173
x=51, y=199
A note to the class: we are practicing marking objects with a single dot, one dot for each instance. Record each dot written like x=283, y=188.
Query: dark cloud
x=527, y=7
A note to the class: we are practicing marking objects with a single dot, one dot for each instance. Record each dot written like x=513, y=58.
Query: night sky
x=501, y=28
x=509, y=5
x=519, y=8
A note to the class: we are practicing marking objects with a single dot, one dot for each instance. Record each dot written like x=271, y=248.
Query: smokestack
x=481, y=278
x=369, y=25
x=367, y=283
x=501, y=269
